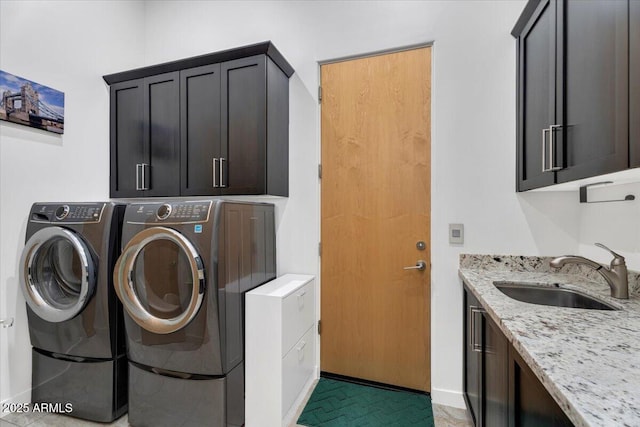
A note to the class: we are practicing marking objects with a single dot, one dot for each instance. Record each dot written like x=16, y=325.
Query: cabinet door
x=634, y=82
x=200, y=130
x=530, y=404
x=536, y=95
x=495, y=396
x=162, y=135
x=244, y=113
x=472, y=355
x=596, y=91
x=126, y=137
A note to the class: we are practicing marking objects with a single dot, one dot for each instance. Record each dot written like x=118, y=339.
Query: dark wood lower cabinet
x=472, y=356
x=499, y=387
x=495, y=375
x=530, y=405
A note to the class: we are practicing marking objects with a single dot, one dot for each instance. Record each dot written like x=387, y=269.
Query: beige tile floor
x=444, y=416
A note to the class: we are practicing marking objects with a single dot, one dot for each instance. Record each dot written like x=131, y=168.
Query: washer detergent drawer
x=297, y=314
x=297, y=368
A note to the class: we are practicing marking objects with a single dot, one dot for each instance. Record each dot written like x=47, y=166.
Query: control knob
x=164, y=211
x=62, y=212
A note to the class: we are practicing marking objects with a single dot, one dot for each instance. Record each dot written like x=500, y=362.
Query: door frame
x=354, y=56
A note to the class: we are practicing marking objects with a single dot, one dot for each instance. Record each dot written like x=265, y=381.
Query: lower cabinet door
x=297, y=369
x=495, y=400
x=500, y=389
x=531, y=404
x=298, y=309
x=472, y=355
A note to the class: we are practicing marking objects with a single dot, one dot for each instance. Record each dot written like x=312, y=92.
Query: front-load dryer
x=75, y=320
x=182, y=275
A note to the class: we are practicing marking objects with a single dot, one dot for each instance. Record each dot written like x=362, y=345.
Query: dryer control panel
x=173, y=212
x=67, y=212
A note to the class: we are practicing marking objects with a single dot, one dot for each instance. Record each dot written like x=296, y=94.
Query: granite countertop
x=588, y=360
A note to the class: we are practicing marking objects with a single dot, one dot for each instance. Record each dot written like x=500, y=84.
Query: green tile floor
x=342, y=404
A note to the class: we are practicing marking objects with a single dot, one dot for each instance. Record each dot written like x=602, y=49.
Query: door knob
x=6, y=323
x=420, y=265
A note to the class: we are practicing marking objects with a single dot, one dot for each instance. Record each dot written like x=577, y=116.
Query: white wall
x=67, y=46
x=616, y=225
x=473, y=128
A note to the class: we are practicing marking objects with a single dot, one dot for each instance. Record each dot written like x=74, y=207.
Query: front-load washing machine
x=182, y=275
x=75, y=319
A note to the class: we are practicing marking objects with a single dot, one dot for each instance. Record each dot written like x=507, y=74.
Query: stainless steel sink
x=553, y=296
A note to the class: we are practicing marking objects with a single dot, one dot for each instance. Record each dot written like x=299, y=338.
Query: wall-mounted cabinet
x=499, y=387
x=145, y=136
x=574, y=94
x=216, y=124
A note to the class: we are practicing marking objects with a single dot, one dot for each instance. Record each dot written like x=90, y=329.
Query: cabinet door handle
x=141, y=176
x=544, y=149
x=301, y=299
x=138, y=186
x=548, y=158
x=473, y=312
x=215, y=184
x=143, y=183
x=552, y=148
x=222, y=184
x=300, y=351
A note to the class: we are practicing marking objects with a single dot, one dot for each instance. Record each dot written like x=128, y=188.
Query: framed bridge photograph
x=29, y=103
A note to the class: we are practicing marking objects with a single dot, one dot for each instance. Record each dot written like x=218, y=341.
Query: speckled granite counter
x=588, y=360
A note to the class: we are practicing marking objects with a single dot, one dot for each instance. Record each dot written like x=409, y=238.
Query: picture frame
x=28, y=103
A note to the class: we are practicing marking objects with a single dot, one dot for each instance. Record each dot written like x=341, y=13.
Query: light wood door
x=375, y=209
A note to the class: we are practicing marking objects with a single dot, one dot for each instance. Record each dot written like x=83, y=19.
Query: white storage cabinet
x=280, y=348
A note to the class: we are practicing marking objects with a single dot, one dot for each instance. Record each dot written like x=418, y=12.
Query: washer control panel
x=67, y=212
x=169, y=212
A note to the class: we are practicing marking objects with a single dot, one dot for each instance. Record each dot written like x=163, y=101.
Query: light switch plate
x=456, y=234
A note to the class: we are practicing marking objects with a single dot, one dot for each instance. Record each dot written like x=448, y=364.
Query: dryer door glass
x=57, y=274
x=160, y=280
x=163, y=282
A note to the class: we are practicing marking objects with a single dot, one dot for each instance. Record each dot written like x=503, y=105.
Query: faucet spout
x=574, y=259
x=615, y=275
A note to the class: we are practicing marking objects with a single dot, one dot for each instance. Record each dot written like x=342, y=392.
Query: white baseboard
x=448, y=398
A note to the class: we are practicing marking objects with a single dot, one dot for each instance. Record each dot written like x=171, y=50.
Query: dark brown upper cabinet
x=573, y=96
x=215, y=124
x=200, y=130
x=145, y=136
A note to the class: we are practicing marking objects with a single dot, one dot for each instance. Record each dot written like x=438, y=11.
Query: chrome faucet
x=615, y=275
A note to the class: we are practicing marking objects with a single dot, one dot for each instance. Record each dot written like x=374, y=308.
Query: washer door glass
x=57, y=275
x=160, y=280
